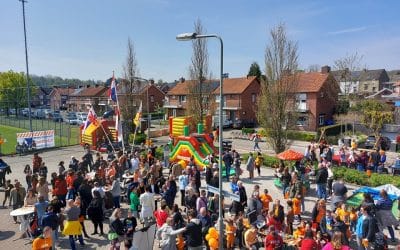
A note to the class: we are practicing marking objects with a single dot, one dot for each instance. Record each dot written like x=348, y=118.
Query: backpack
x=380, y=241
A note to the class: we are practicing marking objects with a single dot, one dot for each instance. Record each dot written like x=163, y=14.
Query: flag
x=118, y=125
x=91, y=118
x=112, y=92
x=138, y=116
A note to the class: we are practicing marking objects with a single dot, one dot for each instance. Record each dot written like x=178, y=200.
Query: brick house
x=240, y=98
x=316, y=99
x=175, y=102
x=82, y=98
x=41, y=98
x=149, y=94
x=59, y=97
x=372, y=81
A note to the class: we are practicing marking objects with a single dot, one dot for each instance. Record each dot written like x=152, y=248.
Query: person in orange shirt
x=300, y=231
x=343, y=214
x=297, y=207
x=230, y=234
x=71, y=177
x=110, y=171
x=43, y=242
x=265, y=198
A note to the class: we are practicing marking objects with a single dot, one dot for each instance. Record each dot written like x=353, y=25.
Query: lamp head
x=186, y=36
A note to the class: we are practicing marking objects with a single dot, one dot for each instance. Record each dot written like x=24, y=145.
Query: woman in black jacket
x=117, y=229
x=95, y=212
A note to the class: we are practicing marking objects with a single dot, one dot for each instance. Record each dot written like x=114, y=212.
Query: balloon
x=213, y=243
x=208, y=237
x=213, y=234
x=212, y=229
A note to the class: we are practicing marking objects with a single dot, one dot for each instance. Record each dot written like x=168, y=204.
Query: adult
x=28, y=175
x=147, y=203
x=60, y=188
x=40, y=209
x=278, y=210
x=321, y=180
x=42, y=188
x=308, y=243
x=117, y=229
x=236, y=163
x=193, y=232
x=254, y=207
x=384, y=213
x=30, y=198
x=99, y=189
x=166, y=152
x=258, y=163
x=134, y=202
x=161, y=215
x=4, y=169
x=286, y=180
x=167, y=235
x=369, y=227
x=115, y=190
x=250, y=237
x=336, y=243
x=177, y=217
x=228, y=161
x=242, y=196
x=95, y=212
x=130, y=224
x=82, y=215
x=72, y=226
x=36, y=162
x=250, y=165
x=61, y=168
x=17, y=195
x=183, y=181
x=339, y=193
x=201, y=201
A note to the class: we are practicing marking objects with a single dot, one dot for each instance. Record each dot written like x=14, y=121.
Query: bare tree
x=198, y=95
x=314, y=68
x=130, y=86
x=278, y=89
x=346, y=65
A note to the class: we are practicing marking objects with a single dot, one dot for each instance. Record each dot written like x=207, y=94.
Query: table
x=22, y=213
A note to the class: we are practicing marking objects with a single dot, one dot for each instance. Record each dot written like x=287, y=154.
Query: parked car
x=81, y=120
x=57, y=117
x=71, y=118
x=383, y=143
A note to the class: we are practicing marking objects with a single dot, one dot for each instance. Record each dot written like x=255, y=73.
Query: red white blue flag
x=112, y=92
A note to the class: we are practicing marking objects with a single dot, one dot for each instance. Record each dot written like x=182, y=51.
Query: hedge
x=140, y=138
x=301, y=135
x=360, y=178
x=334, y=130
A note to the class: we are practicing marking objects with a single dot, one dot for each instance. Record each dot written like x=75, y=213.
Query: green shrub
x=140, y=138
x=360, y=178
x=159, y=152
x=300, y=135
x=248, y=130
x=269, y=161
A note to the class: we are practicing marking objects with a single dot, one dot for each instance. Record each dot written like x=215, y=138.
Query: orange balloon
x=213, y=243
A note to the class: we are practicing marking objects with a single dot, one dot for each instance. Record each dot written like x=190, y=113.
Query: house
x=151, y=97
x=316, y=99
x=176, y=103
x=371, y=81
x=348, y=81
x=41, y=97
x=82, y=98
x=240, y=99
x=59, y=97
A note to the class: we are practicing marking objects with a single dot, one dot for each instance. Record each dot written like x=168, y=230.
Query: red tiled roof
x=311, y=82
x=92, y=91
x=181, y=88
x=236, y=85
x=230, y=86
x=64, y=91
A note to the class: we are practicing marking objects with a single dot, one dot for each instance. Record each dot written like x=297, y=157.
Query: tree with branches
x=199, y=94
x=278, y=89
x=347, y=65
x=130, y=87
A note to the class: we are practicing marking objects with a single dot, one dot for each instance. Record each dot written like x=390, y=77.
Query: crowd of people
x=92, y=188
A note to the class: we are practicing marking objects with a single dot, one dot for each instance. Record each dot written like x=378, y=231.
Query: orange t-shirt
x=343, y=215
x=230, y=231
x=265, y=199
x=321, y=213
x=41, y=243
x=110, y=172
x=70, y=181
x=296, y=206
x=353, y=216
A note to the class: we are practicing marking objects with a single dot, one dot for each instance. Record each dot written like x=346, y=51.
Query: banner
x=37, y=139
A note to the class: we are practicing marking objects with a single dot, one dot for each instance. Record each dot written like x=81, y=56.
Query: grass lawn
x=10, y=135
x=65, y=134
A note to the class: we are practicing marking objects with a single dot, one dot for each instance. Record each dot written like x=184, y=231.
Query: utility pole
x=27, y=69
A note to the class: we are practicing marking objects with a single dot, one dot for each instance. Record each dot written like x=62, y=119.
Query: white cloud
x=350, y=30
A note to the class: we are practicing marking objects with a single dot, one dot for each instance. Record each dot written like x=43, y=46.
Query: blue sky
x=87, y=39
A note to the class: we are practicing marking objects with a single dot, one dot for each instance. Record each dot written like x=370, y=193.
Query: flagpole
x=108, y=138
x=119, y=119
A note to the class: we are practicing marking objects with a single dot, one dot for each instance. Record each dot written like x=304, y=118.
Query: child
x=343, y=214
x=265, y=198
x=7, y=192
x=289, y=217
x=230, y=234
x=353, y=219
x=297, y=207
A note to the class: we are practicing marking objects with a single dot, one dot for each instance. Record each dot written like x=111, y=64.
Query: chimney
x=88, y=86
x=151, y=82
x=181, y=80
x=325, y=69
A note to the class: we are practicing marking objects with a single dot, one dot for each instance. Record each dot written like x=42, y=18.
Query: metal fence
x=65, y=134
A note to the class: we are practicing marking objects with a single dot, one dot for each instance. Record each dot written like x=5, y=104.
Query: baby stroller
x=108, y=204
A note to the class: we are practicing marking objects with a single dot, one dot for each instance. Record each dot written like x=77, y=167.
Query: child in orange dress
x=297, y=207
x=230, y=234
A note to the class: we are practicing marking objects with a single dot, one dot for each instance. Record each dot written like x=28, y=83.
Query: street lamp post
x=192, y=36
x=27, y=70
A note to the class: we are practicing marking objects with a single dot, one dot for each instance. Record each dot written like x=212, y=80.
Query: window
x=302, y=121
x=322, y=94
x=373, y=89
x=253, y=98
x=152, y=98
x=182, y=98
x=365, y=86
x=321, y=119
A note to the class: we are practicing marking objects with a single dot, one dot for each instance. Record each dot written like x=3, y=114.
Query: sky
x=87, y=39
